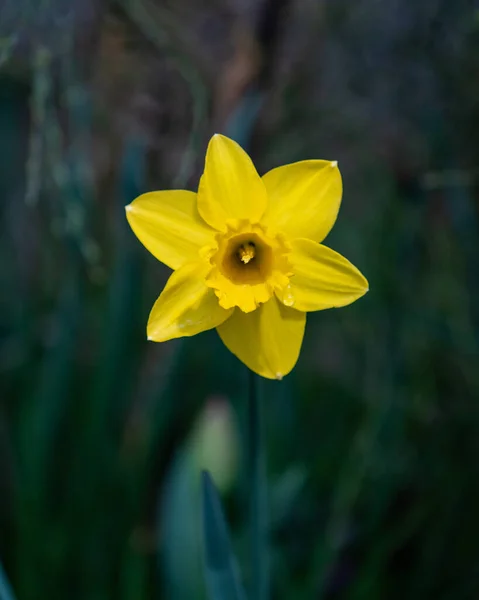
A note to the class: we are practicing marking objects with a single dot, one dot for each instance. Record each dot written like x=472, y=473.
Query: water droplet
x=288, y=297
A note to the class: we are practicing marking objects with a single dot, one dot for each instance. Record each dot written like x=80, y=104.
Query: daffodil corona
x=247, y=255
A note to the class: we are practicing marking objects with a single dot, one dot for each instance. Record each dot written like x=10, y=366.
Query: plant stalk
x=257, y=491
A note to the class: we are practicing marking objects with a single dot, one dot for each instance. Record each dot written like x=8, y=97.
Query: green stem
x=259, y=533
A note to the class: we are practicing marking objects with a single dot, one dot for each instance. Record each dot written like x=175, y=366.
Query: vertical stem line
x=257, y=494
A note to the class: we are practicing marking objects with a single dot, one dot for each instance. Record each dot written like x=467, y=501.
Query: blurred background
x=373, y=440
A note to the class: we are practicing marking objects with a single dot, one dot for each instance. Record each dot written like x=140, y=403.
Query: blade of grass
x=221, y=570
x=6, y=592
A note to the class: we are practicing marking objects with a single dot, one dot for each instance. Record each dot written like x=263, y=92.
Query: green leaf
x=221, y=571
x=6, y=592
x=179, y=530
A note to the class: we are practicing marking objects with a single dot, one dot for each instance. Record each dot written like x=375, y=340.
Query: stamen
x=246, y=252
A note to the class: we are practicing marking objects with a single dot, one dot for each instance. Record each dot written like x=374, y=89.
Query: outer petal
x=230, y=187
x=186, y=306
x=267, y=340
x=304, y=198
x=169, y=226
x=322, y=278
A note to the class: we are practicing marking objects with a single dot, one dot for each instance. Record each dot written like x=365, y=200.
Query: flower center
x=248, y=264
x=246, y=252
x=247, y=259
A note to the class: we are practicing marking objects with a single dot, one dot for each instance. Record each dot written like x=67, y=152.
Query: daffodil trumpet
x=247, y=255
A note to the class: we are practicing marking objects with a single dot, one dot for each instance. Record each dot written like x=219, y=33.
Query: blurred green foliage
x=372, y=442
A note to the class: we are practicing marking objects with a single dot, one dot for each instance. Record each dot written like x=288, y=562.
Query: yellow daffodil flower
x=247, y=255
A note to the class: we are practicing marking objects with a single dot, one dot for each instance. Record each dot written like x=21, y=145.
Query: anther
x=246, y=252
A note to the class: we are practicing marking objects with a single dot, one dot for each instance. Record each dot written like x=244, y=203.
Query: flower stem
x=259, y=529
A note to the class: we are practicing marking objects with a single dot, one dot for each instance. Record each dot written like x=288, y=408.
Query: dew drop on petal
x=288, y=298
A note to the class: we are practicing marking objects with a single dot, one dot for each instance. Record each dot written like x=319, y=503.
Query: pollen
x=246, y=252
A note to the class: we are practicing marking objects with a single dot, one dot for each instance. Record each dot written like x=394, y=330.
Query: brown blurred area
x=367, y=73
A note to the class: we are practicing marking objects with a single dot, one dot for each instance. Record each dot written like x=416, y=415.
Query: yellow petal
x=303, y=198
x=322, y=278
x=169, y=226
x=267, y=340
x=186, y=306
x=230, y=187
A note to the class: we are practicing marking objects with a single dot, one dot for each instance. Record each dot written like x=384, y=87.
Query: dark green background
x=373, y=440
